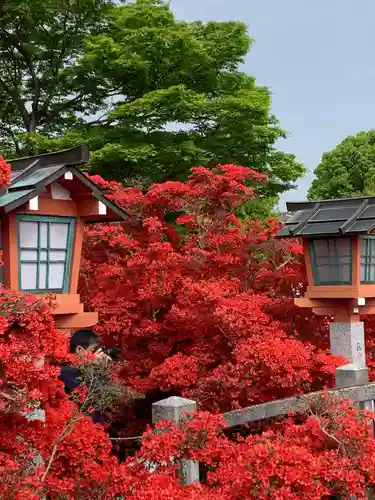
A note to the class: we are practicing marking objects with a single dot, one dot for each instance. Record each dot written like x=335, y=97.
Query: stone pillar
x=174, y=408
x=348, y=340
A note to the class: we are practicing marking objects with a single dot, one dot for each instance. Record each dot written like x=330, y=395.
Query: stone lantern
x=338, y=238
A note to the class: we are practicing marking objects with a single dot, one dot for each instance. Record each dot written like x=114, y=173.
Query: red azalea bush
x=330, y=453
x=200, y=302
x=65, y=456
x=5, y=173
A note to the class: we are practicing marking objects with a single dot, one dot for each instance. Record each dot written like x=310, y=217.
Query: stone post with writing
x=347, y=339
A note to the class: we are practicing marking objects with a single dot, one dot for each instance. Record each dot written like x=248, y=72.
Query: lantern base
x=69, y=313
x=348, y=309
x=340, y=291
x=76, y=321
x=349, y=375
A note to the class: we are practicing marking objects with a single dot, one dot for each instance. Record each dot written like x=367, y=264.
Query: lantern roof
x=337, y=217
x=30, y=176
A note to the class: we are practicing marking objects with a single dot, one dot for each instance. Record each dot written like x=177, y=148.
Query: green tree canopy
x=347, y=170
x=42, y=85
x=150, y=95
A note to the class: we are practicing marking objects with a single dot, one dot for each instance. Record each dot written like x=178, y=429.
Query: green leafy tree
x=42, y=85
x=347, y=170
x=152, y=96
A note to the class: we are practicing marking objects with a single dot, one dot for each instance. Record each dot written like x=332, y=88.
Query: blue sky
x=316, y=56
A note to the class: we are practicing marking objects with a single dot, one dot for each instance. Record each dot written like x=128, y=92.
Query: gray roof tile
x=330, y=217
x=12, y=196
x=36, y=177
x=30, y=175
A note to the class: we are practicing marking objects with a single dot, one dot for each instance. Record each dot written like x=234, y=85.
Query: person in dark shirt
x=82, y=342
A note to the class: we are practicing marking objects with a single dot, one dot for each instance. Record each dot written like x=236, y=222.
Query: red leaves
x=177, y=371
x=240, y=174
x=71, y=456
x=185, y=219
x=5, y=173
x=201, y=304
x=330, y=453
x=200, y=301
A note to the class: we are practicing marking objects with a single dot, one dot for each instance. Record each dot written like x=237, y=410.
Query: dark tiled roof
x=30, y=176
x=330, y=217
x=12, y=196
x=73, y=156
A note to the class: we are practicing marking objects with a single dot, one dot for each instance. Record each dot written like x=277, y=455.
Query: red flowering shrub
x=65, y=456
x=331, y=453
x=5, y=171
x=200, y=302
x=201, y=305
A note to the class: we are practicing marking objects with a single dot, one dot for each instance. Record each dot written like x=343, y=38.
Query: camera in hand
x=112, y=352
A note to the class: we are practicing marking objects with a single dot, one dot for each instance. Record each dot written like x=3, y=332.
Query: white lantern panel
x=57, y=255
x=42, y=276
x=321, y=249
x=29, y=255
x=372, y=244
x=371, y=273
x=367, y=260
x=324, y=274
x=342, y=247
x=344, y=273
x=363, y=272
x=28, y=234
x=363, y=243
x=28, y=276
x=58, y=235
x=56, y=276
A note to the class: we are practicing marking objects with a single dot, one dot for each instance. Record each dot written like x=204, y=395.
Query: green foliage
x=348, y=170
x=102, y=392
x=259, y=209
x=42, y=85
x=162, y=95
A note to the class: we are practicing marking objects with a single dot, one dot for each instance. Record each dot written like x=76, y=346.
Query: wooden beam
x=307, y=302
x=327, y=311
x=356, y=261
x=73, y=156
x=67, y=304
x=76, y=256
x=307, y=256
x=334, y=292
x=88, y=207
x=75, y=321
x=10, y=251
x=48, y=206
x=366, y=310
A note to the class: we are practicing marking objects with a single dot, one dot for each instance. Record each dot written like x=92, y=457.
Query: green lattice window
x=45, y=253
x=367, y=249
x=331, y=261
